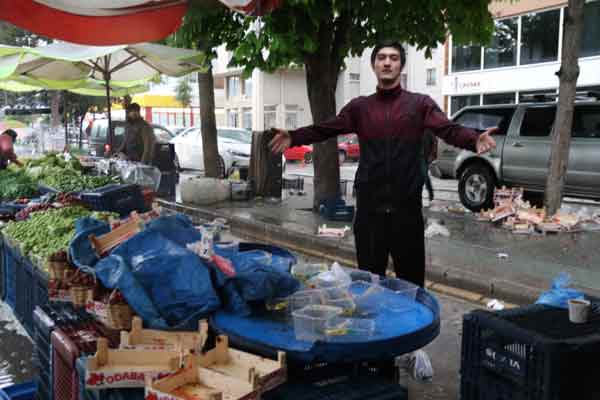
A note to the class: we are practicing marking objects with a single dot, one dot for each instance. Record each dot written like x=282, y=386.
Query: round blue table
x=395, y=334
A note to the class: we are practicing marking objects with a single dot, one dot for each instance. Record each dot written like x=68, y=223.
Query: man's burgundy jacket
x=390, y=125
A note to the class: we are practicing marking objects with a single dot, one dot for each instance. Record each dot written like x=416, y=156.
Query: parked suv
x=522, y=154
x=98, y=138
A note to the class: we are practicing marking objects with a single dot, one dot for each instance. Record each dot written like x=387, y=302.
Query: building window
x=248, y=88
x=270, y=116
x=232, y=118
x=459, y=102
x=247, y=118
x=466, y=58
x=503, y=50
x=233, y=87
x=591, y=29
x=539, y=37
x=291, y=116
x=404, y=80
x=354, y=77
x=499, y=98
x=431, y=77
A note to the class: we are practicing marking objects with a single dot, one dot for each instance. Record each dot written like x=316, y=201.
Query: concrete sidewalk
x=468, y=260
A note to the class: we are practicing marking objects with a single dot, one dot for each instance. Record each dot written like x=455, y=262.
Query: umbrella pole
x=110, y=131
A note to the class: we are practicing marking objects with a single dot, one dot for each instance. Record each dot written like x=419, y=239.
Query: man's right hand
x=281, y=141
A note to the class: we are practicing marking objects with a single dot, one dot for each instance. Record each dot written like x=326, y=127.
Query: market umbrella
x=64, y=65
x=110, y=22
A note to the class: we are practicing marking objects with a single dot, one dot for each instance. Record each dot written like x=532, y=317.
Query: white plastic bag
x=139, y=174
x=435, y=228
x=422, y=370
x=204, y=191
x=336, y=276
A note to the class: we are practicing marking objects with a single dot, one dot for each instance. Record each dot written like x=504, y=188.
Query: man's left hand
x=485, y=141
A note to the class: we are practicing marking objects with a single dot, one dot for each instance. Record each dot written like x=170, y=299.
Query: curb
x=445, y=279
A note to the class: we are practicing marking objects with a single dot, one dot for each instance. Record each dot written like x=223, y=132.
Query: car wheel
x=341, y=156
x=476, y=188
x=221, y=168
x=308, y=157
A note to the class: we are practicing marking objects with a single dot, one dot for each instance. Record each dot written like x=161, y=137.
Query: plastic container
x=22, y=391
x=304, y=272
x=365, y=276
x=339, y=297
x=403, y=299
x=305, y=298
x=529, y=353
x=340, y=329
x=121, y=199
x=310, y=322
x=368, y=297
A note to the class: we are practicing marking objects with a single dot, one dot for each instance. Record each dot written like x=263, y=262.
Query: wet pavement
x=17, y=363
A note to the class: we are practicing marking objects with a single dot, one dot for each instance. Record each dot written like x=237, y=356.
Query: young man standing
x=390, y=125
x=139, y=140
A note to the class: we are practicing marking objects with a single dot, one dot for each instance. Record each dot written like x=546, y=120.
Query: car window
x=484, y=119
x=119, y=130
x=586, y=122
x=235, y=134
x=162, y=134
x=538, y=121
x=100, y=131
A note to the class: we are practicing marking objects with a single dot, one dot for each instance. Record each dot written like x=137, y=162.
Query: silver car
x=522, y=154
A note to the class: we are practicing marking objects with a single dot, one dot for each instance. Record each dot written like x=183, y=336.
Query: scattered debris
x=436, y=228
x=520, y=217
x=324, y=231
x=495, y=305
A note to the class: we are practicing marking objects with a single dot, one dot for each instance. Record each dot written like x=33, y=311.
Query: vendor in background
x=139, y=140
x=7, y=152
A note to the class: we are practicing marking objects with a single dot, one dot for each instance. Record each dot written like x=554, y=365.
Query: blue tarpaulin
x=169, y=286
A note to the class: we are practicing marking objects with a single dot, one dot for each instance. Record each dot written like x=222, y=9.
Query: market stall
x=94, y=283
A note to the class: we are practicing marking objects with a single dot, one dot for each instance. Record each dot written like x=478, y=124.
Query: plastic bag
x=435, y=228
x=560, y=293
x=139, y=174
x=334, y=277
x=422, y=370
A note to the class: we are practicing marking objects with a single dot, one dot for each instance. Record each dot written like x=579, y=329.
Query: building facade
x=523, y=57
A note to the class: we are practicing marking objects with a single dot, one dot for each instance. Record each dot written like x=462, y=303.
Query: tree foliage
x=320, y=34
x=183, y=92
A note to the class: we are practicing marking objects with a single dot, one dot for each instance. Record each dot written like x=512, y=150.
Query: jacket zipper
x=388, y=172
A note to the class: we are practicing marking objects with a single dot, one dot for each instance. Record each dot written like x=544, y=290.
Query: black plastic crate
x=164, y=157
x=314, y=372
x=25, y=294
x=11, y=259
x=293, y=184
x=121, y=199
x=530, y=353
x=44, y=391
x=168, y=182
x=359, y=388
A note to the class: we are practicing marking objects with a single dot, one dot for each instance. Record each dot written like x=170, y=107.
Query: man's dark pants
x=399, y=232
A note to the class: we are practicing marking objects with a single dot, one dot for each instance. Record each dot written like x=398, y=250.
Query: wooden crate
x=128, y=368
x=244, y=366
x=103, y=244
x=150, y=339
x=194, y=382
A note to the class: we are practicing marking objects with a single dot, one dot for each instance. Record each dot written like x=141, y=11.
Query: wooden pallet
x=128, y=368
x=150, y=339
x=103, y=244
x=244, y=366
x=198, y=383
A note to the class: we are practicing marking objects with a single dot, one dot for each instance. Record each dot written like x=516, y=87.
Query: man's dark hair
x=133, y=107
x=13, y=135
x=389, y=43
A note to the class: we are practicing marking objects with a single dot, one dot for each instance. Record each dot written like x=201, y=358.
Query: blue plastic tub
x=22, y=391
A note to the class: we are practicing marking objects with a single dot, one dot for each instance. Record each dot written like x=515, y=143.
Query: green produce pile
x=50, y=231
x=15, y=183
x=65, y=176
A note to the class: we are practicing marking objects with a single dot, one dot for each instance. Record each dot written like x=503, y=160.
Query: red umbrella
x=111, y=22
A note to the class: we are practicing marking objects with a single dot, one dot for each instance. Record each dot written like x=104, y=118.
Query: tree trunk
x=561, y=136
x=208, y=123
x=321, y=84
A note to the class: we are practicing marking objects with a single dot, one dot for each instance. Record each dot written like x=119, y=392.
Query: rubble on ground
x=520, y=217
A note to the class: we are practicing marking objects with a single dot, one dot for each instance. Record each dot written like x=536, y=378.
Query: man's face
x=133, y=115
x=387, y=65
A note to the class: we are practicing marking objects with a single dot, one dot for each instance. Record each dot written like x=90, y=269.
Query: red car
x=299, y=153
x=348, y=147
